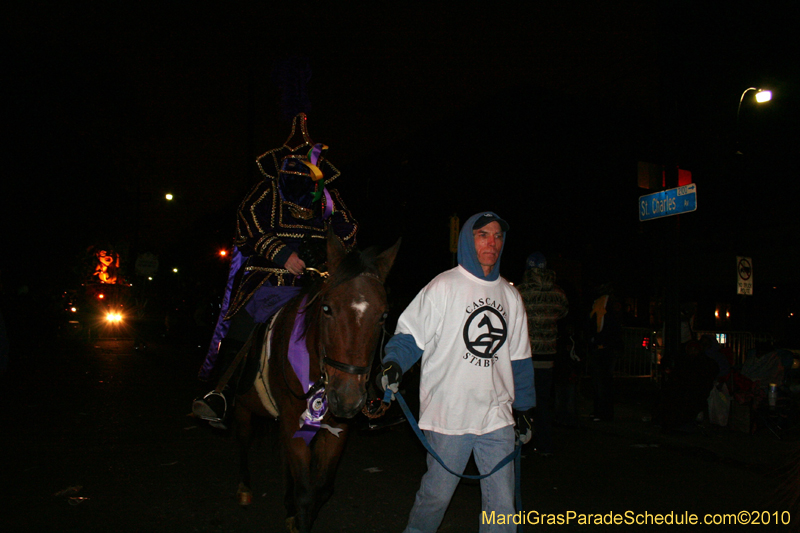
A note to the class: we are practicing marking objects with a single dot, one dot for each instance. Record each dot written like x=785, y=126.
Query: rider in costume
x=281, y=228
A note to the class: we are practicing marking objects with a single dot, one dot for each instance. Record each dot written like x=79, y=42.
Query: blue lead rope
x=516, y=455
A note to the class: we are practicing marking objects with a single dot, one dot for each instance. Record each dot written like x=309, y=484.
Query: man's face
x=488, y=243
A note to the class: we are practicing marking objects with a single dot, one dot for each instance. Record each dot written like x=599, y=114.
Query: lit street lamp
x=761, y=97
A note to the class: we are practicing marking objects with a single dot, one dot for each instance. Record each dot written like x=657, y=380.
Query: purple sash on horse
x=298, y=357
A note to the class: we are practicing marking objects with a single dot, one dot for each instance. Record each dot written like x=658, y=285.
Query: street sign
x=670, y=202
x=744, y=275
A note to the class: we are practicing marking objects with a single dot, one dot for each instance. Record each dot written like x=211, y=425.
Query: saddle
x=256, y=369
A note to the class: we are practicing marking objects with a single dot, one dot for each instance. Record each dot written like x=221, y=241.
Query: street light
x=762, y=96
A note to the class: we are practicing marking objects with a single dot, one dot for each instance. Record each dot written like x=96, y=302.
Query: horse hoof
x=290, y=527
x=244, y=496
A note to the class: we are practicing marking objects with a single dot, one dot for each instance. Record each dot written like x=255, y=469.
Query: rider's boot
x=214, y=406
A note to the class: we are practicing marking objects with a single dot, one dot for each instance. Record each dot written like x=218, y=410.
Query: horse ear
x=336, y=251
x=386, y=259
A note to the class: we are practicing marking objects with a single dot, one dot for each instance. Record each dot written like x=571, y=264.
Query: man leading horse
x=469, y=328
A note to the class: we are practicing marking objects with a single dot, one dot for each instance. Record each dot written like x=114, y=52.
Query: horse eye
x=327, y=309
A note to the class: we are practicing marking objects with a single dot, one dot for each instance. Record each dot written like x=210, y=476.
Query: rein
x=344, y=367
x=369, y=410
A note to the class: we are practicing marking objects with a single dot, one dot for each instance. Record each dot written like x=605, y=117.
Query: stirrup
x=214, y=417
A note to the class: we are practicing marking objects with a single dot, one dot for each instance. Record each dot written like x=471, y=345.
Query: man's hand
x=523, y=427
x=295, y=265
x=389, y=377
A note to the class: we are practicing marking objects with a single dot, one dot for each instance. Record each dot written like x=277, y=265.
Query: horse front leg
x=312, y=473
x=288, y=501
x=299, y=494
x=244, y=436
x=327, y=451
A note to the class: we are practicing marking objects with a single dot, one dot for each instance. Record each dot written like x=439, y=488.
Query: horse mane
x=354, y=264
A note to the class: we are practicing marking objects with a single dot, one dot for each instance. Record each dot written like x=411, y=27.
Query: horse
x=344, y=316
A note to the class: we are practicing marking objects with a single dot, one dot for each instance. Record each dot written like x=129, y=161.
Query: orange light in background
x=716, y=313
x=223, y=253
x=100, y=296
x=107, y=266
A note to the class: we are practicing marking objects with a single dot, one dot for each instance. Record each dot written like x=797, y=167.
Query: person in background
x=686, y=393
x=545, y=304
x=604, y=335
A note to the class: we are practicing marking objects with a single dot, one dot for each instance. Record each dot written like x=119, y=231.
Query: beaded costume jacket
x=269, y=229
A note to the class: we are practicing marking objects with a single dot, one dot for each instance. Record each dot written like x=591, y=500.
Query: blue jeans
x=438, y=485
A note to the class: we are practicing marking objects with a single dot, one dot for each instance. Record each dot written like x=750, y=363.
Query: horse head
x=351, y=309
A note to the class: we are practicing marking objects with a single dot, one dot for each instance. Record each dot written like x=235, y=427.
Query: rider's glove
x=389, y=377
x=523, y=427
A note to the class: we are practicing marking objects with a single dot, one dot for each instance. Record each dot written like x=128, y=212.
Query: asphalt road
x=110, y=426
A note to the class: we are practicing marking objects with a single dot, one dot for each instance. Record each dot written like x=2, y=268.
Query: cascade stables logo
x=485, y=331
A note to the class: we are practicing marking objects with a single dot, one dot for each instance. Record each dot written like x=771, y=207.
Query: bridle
x=324, y=360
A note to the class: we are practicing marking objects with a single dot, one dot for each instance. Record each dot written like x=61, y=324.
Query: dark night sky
x=539, y=113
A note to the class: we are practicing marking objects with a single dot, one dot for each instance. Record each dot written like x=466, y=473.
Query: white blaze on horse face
x=360, y=307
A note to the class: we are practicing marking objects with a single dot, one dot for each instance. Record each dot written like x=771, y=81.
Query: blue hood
x=468, y=257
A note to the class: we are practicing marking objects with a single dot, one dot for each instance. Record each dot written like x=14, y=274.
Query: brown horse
x=344, y=316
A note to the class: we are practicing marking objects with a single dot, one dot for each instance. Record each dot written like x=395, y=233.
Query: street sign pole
x=662, y=204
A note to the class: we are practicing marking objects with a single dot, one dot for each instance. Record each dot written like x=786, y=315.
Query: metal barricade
x=739, y=342
x=642, y=349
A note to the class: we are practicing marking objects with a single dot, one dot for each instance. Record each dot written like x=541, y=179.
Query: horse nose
x=345, y=406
